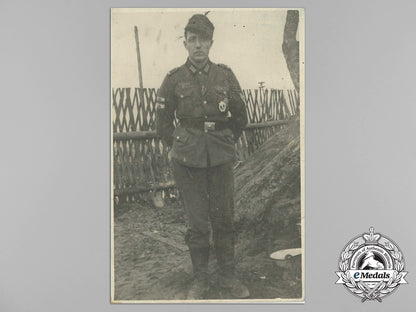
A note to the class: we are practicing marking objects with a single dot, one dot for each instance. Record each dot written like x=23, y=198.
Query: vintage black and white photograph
x=207, y=175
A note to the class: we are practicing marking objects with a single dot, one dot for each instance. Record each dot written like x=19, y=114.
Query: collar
x=194, y=69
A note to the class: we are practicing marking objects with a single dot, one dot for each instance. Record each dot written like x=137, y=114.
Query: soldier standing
x=208, y=103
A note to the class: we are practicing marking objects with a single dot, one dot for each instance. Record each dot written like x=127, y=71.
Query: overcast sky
x=248, y=41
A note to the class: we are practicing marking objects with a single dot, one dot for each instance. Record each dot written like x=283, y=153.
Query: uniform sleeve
x=165, y=111
x=237, y=106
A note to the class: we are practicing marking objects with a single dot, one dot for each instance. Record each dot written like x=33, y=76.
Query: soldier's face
x=198, y=47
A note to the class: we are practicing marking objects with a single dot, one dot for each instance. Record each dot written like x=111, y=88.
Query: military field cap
x=200, y=24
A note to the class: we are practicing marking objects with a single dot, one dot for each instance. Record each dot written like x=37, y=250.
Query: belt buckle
x=209, y=126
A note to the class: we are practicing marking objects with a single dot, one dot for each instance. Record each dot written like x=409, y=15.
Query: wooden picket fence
x=140, y=162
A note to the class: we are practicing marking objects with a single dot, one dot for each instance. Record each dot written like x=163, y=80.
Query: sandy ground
x=151, y=261
x=149, y=269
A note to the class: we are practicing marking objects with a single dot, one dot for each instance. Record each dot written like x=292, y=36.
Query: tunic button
x=205, y=102
x=181, y=96
x=200, y=73
x=206, y=117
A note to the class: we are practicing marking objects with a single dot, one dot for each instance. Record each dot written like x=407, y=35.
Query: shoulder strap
x=224, y=66
x=173, y=71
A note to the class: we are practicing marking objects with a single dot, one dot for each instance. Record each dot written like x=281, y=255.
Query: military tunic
x=203, y=155
x=195, y=96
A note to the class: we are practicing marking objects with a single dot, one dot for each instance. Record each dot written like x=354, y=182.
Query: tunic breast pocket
x=221, y=99
x=221, y=92
x=185, y=97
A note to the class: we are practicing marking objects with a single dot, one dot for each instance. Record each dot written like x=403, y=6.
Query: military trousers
x=208, y=198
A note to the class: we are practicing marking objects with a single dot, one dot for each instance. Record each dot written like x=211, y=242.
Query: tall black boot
x=226, y=278
x=225, y=259
x=199, y=285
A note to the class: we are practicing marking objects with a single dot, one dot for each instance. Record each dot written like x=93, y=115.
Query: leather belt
x=206, y=126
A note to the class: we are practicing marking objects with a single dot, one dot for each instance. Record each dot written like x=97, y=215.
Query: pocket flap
x=182, y=92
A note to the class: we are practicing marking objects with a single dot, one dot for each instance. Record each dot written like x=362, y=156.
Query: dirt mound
x=268, y=215
x=151, y=259
x=268, y=187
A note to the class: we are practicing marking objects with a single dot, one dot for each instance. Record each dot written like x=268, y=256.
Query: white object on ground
x=286, y=253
